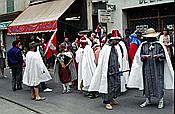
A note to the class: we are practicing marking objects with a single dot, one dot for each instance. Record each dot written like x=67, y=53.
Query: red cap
x=103, y=42
x=83, y=39
x=115, y=35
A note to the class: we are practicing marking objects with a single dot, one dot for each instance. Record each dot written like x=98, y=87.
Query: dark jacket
x=14, y=57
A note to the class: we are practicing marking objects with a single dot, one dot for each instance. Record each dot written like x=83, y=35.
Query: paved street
x=11, y=108
x=75, y=102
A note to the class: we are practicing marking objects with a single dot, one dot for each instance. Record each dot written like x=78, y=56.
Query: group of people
x=103, y=66
x=106, y=66
x=35, y=71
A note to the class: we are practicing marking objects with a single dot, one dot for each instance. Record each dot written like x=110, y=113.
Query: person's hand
x=63, y=65
x=155, y=57
x=144, y=57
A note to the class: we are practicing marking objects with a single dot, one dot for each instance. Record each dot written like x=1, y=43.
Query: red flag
x=50, y=47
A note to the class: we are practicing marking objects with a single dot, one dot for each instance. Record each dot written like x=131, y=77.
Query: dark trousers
x=43, y=86
x=16, y=77
x=114, y=88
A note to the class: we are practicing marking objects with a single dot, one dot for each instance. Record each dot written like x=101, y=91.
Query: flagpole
x=50, y=41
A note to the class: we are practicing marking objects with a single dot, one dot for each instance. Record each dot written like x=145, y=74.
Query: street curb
x=24, y=106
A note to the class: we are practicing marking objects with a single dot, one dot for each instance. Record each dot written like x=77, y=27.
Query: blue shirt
x=134, y=39
x=14, y=57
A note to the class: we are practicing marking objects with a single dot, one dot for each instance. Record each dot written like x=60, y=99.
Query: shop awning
x=39, y=18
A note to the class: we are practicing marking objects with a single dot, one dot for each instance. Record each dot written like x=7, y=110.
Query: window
x=10, y=6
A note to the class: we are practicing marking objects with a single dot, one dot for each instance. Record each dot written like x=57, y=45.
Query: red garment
x=132, y=51
x=97, y=52
x=64, y=74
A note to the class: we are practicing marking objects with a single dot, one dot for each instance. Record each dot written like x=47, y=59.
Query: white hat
x=151, y=33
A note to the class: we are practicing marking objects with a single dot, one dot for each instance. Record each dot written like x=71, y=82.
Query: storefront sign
x=3, y=25
x=33, y=28
x=142, y=28
x=148, y=1
x=104, y=16
x=111, y=7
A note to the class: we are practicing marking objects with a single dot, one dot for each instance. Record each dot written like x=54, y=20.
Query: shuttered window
x=10, y=6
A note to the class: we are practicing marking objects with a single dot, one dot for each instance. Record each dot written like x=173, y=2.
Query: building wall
x=140, y=3
x=19, y=5
x=3, y=8
x=89, y=15
x=119, y=16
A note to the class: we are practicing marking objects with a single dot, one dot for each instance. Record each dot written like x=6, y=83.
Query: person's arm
x=143, y=55
x=19, y=56
x=161, y=54
x=161, y=39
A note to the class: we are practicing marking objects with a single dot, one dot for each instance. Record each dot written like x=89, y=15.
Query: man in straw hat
x=106, y=79
x=150, y=65
x=35, y=71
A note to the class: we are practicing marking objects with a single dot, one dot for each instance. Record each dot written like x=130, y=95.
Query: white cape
x=99, y=79
x=78, y=58
x=88, y=66
x=35, y=70
x=124, y=67
x=136, y=75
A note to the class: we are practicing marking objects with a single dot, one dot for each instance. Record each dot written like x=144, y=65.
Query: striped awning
x=39, y=18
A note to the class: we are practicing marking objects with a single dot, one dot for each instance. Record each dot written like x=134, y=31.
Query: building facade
x=134, y=14
x=9, y=10
x=142, y=14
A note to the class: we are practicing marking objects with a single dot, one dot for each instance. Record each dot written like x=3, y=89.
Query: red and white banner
x=33, y=28
x=50, y=47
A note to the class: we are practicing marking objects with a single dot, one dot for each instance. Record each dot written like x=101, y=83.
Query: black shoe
x=92, y=96
x=64, y=91
x=14, y=89
x=19, y=88
x=86, y=94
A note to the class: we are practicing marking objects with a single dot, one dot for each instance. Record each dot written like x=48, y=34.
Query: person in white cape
x=35, y=71
x=86, y=64
x=124, y=64
x=106, y=79
x=152, y=70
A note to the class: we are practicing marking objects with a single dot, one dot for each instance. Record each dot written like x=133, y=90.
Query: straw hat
x=151, y=33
